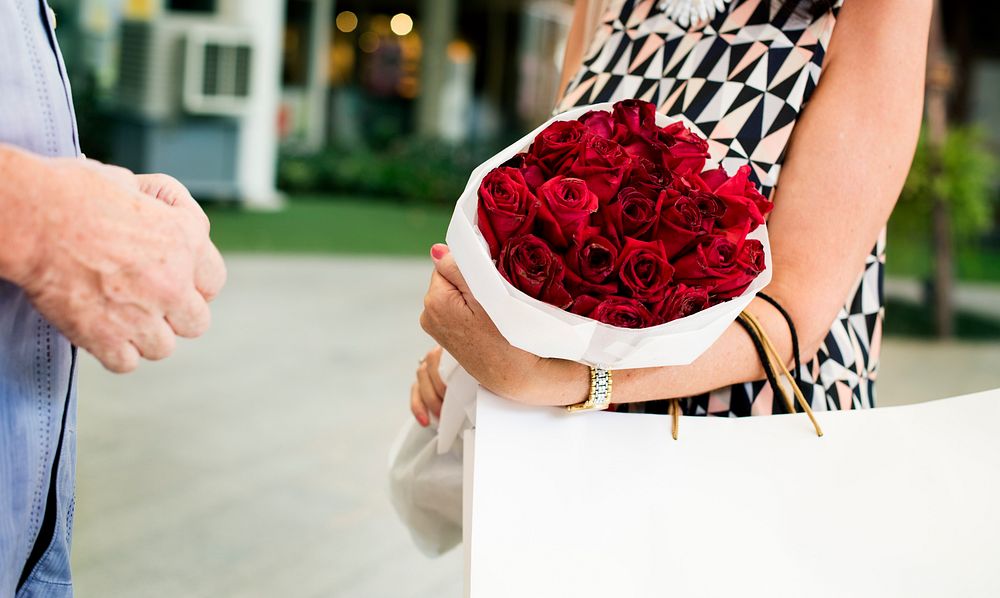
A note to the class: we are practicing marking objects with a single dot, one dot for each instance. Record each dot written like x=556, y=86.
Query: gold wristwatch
x=600, y=392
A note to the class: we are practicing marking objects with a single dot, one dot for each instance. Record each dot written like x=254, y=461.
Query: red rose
x=529, y=264
x=632, y=214
x=584, y=305
x=530, y=168
x=565, y=206
x=602, y=164
x=640, y=148
x=711, y=261
x=681, y=225
x=578, y=287
x=506, y=207
x=689, y=185
x=682, y=301
x=636, y=130
x=639, y=212
x=686, y=152
x=648, y=176
x=636, y=117
x=644, y=270
x=599, y=122
x=593, y=257
x=558, y=145
x=744, y=203
x=712, y=208
x=623, y=313
x=590, y=264
x=714, y=178
x=749, y=263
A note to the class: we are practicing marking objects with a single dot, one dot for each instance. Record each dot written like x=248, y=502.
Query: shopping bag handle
x=774, y=369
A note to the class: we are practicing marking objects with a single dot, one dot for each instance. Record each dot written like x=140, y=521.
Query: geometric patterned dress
x=743, y=78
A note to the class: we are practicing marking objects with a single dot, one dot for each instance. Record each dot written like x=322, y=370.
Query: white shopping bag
x=892, y=502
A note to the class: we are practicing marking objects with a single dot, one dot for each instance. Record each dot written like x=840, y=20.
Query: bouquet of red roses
x=611, y=217
x=602, y=237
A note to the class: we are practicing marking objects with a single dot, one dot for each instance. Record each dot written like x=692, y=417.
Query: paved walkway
x=252, y=463
x=979, y=297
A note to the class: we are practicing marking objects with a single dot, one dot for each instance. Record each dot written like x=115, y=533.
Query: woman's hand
x=460, y=324
x=427, y=393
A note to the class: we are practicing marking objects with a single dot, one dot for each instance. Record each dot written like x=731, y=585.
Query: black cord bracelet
x=795, y=337
x=772, y=378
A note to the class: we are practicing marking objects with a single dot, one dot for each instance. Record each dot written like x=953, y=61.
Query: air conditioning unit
x=217, y=78
x=150, y=68
x=180, y=64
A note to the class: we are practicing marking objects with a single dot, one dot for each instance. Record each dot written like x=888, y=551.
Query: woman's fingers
x=417, y=406
x=433, y=361
x=446, y=267
x=428, y=394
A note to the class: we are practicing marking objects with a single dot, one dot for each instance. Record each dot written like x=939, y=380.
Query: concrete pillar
x=437, y=29
x=319, y=69
x=257, y=156
x=456, y=94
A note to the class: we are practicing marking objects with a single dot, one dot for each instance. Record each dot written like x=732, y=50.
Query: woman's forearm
x=730, y=360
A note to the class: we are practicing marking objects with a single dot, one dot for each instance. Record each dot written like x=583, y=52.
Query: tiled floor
x=252, y=463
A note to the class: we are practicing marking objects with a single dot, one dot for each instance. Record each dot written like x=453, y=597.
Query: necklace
x=686, y=12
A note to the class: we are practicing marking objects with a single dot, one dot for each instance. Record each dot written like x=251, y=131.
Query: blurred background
x=327, y=140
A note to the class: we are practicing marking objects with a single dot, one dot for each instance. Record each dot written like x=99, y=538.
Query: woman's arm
x=576, y=42
x=846, y=163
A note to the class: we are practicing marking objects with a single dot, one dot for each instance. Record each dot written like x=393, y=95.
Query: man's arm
x=18, y=224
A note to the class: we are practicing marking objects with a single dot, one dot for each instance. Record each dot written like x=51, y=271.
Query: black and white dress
x=743, y=77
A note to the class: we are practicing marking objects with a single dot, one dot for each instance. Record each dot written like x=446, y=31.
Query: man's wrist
x=22, y=175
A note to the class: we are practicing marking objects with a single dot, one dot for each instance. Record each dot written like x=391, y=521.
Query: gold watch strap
x=600, y=392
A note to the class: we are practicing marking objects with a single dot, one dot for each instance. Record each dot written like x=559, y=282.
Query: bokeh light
x=347, y=21
x=368, y=42
x=401, y=24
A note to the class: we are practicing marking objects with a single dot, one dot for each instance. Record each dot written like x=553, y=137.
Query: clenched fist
x=121, y=264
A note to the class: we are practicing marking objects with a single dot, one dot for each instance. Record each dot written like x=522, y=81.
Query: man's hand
x=119, y=263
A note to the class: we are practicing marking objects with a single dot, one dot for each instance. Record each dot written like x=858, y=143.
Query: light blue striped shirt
x=37, y=391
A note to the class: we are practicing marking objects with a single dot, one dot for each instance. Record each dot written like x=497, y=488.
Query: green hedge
x=966, y=178
x=412, y=170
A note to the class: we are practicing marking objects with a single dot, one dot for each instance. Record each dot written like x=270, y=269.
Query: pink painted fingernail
x=422, y=420
x=438, y=251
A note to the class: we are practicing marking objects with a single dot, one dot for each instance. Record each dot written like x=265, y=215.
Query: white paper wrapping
x=893, y=502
